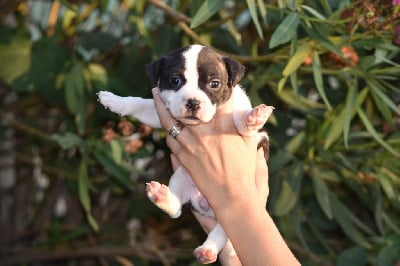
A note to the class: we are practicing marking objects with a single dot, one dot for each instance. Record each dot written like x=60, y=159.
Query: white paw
x=206, y=253
x=162, y=197
x=112, y=102
x=258, y=116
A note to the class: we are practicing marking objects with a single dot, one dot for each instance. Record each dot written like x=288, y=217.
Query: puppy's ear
x=235, y=71
x=153, y=70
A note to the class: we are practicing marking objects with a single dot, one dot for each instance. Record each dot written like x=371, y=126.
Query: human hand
x=214, y=153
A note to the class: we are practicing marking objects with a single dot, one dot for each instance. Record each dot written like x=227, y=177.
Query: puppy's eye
x=214, y=84
x=175, y=81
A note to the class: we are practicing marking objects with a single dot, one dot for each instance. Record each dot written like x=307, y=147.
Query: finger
x=261, y=178
x=166, y=119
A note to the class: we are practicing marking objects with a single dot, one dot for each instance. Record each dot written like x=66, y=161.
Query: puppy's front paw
x=162, y=197
x=111, y=101
x=206, y=254
x=258, y=116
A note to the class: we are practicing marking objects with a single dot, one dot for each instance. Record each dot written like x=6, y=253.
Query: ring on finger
x=175, y=130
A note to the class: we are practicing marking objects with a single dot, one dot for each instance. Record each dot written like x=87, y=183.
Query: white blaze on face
x=176, y=101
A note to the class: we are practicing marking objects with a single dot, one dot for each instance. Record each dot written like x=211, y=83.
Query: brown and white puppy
x=193, y=82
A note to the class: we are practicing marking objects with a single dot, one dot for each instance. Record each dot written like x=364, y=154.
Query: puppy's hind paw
x=156, y=192
x=205, y=254
x=162, y=197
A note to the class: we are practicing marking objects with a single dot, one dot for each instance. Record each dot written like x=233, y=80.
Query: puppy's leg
x=170, y=199
x=257, y=117
x=216, y=240
x=248, y=120
x=139, y=108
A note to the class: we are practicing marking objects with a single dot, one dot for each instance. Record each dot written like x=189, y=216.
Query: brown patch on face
x=213, y=76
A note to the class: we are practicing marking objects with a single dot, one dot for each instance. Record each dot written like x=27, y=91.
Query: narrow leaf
x=313, y=12
x=286, y=30
x=297, y=59
x=206, y=10
x=349, y=110
x=117, y=171
x=253, y=13
x=322, y=192
x=321, y=39
x=344, y=218
x=291, y=185
x=67, y=140
x=263, y=10
x=376, y=88
x=317, y=73
x=83, y=192
x=371, y=130
x=83, y=186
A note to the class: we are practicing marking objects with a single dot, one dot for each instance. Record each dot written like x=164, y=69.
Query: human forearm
x=254, y=235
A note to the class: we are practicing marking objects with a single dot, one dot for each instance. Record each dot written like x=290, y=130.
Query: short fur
x=193, y=82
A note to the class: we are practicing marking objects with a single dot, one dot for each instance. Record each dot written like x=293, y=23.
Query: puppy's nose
x=193, y=105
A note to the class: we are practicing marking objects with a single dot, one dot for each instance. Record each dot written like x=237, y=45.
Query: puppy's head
x=193, y=81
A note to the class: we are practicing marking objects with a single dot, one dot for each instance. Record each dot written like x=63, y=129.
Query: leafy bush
x=73, y=174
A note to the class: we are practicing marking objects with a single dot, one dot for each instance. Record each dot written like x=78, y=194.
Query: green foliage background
x=69, y=196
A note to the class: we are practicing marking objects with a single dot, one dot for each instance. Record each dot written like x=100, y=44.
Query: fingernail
x=154, y=91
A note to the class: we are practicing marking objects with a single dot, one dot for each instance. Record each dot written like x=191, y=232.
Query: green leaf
x=83, y=186
x=67, y=140
x=322, y=39
x=116, y=151
x=15, y=57
x=336, y=121
x=207, y=10
x=289, y=194
x=389, y=255
x=316, y=66
x=377, y=89
x=69, y=6
x=263, y=10
x=92, y=222
x=345, y=219
x=297, y=59
x=83, y=191
x=313, y=12
x=286, y=30
x=117, y=171
x=352, y=256
x=253, y=13
x=387, y=186
x=74, y=88
x=322, y=192
x=371, y=130
x=336, y=128
x=349, y=109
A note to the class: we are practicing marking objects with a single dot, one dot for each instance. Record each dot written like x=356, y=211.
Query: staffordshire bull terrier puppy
x=193, y=82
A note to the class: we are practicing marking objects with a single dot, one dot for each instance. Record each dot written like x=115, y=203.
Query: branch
x=143, y=251
x=182, y=21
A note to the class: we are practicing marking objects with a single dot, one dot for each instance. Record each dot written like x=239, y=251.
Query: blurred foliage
x=72, y=174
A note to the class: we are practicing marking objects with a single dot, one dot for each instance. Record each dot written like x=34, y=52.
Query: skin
x=213, y=153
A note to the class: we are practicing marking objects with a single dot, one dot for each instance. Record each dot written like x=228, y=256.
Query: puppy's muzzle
x=192, y=105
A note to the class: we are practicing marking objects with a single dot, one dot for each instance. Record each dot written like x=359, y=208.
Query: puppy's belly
x=201, y=205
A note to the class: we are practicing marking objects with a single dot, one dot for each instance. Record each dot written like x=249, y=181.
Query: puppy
x=193, y=82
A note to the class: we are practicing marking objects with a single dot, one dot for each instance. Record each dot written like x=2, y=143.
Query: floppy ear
x=235, y=71
x=153, y=70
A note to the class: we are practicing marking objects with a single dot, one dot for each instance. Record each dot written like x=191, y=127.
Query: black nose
x=193, y=105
